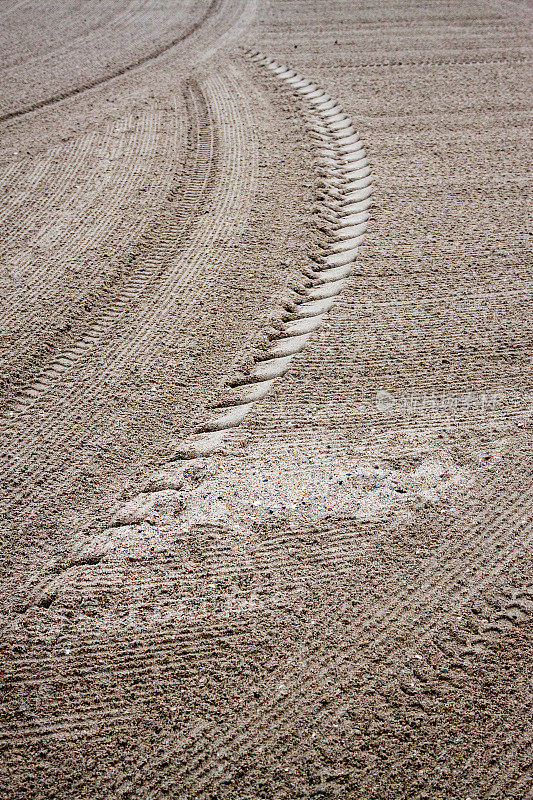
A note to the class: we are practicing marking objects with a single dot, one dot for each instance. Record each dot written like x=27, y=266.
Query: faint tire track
x=130, y=285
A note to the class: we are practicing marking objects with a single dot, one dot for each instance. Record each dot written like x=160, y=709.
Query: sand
x=265, y=400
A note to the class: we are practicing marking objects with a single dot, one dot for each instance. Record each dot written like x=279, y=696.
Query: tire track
x=488, y=543
x=192, y=258
x=345, y=202
x=329, y=217
x=231, y=180
x=347, y=182
x=66, y=246
x=143, y=271
x=95, y=202
x=327, y=155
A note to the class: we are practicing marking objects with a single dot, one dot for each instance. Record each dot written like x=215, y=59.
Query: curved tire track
x=221, y=182
x=490, y=543
x=489, y=540
x=346, y=181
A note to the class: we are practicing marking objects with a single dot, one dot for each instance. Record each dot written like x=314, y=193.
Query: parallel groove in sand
x=495, y=561
x=202, y=162
x=490, y=554
x=492, y=548
x=498, y=561
x=143, y=270
x=269, y=557
x=499, y=519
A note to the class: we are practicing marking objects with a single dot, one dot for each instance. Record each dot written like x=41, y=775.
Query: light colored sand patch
x=238, y=495
x=315, y=488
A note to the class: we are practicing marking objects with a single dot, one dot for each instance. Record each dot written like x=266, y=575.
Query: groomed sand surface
x=265, y=400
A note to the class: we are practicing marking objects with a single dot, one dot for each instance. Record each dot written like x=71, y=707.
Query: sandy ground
x=335, y=599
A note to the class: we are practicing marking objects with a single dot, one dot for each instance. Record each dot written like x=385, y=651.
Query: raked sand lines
x=94, y=228
x=94, y=196
x=345, y=199
x=310, y=682
x=208, y=11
